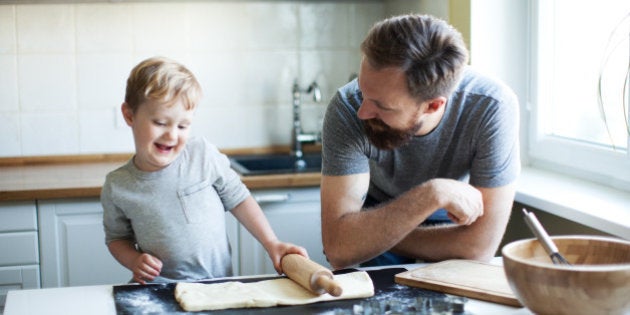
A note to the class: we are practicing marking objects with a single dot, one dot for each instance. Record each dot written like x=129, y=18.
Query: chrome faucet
x=297, y=135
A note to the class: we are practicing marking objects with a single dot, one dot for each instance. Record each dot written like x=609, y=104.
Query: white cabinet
x=19, y=258
x=73, y=250
x=294, y=215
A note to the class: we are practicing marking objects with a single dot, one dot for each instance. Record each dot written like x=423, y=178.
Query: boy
x=164, y=211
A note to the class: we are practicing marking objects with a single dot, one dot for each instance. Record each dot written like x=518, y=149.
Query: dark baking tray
x=160, y=299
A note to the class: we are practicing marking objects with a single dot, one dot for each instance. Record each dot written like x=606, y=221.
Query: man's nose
x=366, y=111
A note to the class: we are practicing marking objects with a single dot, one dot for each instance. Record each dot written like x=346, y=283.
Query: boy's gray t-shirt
x=476, y=141
x=178, y=213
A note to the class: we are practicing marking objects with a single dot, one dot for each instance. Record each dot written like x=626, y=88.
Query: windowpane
x=578, y=41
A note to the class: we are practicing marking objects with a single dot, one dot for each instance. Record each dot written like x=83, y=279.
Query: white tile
x=101, y=79
x=216, y=26
x=363, y=16
x=47, y=133
x=8, y=83
x=160, y=28
x=45, y=28
x=47, y=82
x=236, y=127
x=324, y=25
x=10, y=131
x=331, y=69
x=104, y=28
x=278, y=123
x=222, y=78
x=313, y=116
x=271, y=25
x=269, y=76
x=99, y=132
x=7, y=29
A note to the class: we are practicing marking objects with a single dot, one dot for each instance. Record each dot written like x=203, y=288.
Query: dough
x=217, y=296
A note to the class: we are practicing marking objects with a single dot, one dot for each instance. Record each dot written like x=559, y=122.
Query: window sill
x=597, y=206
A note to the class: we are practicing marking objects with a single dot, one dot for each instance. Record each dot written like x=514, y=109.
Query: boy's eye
x=183, y=127
x=159, y=123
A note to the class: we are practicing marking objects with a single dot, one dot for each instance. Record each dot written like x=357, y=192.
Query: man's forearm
x=358, y=236
x=435, y=243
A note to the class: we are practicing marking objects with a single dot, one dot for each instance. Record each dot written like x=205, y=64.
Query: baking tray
x=160, y=298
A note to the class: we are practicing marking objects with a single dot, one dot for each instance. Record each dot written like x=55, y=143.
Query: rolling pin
x=310, y=275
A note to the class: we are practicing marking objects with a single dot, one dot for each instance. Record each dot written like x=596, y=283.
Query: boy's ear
x=127, y=113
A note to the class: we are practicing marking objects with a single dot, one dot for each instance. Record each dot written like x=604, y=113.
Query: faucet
x=297, y=135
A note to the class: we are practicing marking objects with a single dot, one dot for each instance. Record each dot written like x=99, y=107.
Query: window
x=580, y=89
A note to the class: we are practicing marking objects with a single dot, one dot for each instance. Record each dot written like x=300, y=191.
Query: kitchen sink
x=267, y=164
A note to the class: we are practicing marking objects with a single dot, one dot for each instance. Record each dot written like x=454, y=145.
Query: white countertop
x=99, y=300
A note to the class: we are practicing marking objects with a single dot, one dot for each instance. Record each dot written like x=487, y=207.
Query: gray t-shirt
x=178, y=213
x=476, y=141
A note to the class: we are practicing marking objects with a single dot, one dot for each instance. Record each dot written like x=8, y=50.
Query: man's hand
x=463, y=202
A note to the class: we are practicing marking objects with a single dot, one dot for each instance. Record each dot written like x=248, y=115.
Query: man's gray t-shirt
x=476, y=141
x=178, y=213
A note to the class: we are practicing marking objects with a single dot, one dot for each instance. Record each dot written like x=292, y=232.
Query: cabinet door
x=17, y=278
x=73, y=250
x=294, y=215
x=18, y=234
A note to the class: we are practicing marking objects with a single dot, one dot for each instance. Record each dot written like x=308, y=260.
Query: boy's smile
x=160, y=133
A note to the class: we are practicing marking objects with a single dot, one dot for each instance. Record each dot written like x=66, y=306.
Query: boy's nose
x=171, y=133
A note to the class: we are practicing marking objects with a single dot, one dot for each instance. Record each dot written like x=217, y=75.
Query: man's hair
x=163, y=80
x=431, y=53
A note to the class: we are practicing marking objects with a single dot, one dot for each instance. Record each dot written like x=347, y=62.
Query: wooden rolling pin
x=310, y=275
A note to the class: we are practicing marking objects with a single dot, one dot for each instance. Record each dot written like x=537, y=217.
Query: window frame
x=592, y=162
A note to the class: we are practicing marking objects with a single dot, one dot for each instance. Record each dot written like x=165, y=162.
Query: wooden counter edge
x=252, y=182
x=122, y=157
x=41, y=194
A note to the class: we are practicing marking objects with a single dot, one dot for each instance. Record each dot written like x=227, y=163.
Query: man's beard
x=387, y=138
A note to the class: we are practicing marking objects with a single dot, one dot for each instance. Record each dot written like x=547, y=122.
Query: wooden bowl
x=598, y=282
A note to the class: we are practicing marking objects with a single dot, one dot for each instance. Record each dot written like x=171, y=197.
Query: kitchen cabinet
x=19, y=261
x=73, y=250
x=294, y=215
x=73, y=244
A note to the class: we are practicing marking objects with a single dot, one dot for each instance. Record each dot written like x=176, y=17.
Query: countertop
x=98, y=300
x=53, y=177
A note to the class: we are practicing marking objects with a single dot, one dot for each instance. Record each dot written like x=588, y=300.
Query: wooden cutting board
x=467, y=278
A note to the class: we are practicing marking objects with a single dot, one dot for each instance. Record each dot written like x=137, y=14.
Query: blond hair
x=163, y=80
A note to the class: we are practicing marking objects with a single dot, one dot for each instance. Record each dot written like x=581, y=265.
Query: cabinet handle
x=272, y=198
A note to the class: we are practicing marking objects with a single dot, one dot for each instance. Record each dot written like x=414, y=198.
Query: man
x=420, y=153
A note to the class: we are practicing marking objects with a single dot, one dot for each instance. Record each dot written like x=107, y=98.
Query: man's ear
x=127, y=113
x=436, y=104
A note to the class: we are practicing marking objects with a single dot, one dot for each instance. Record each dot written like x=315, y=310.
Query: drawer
x=17, y=278
x=18, y=216
x=19, y=248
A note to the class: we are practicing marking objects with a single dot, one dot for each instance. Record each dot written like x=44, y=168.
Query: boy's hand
x=279, y=249
x=146, y=268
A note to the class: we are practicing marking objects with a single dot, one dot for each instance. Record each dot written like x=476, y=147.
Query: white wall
x=499, y=46
x=63, y=67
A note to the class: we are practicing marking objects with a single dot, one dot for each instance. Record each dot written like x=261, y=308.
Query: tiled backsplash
x=63, y=67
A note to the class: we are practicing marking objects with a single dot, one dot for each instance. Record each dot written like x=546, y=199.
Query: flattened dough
x=217, y=296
